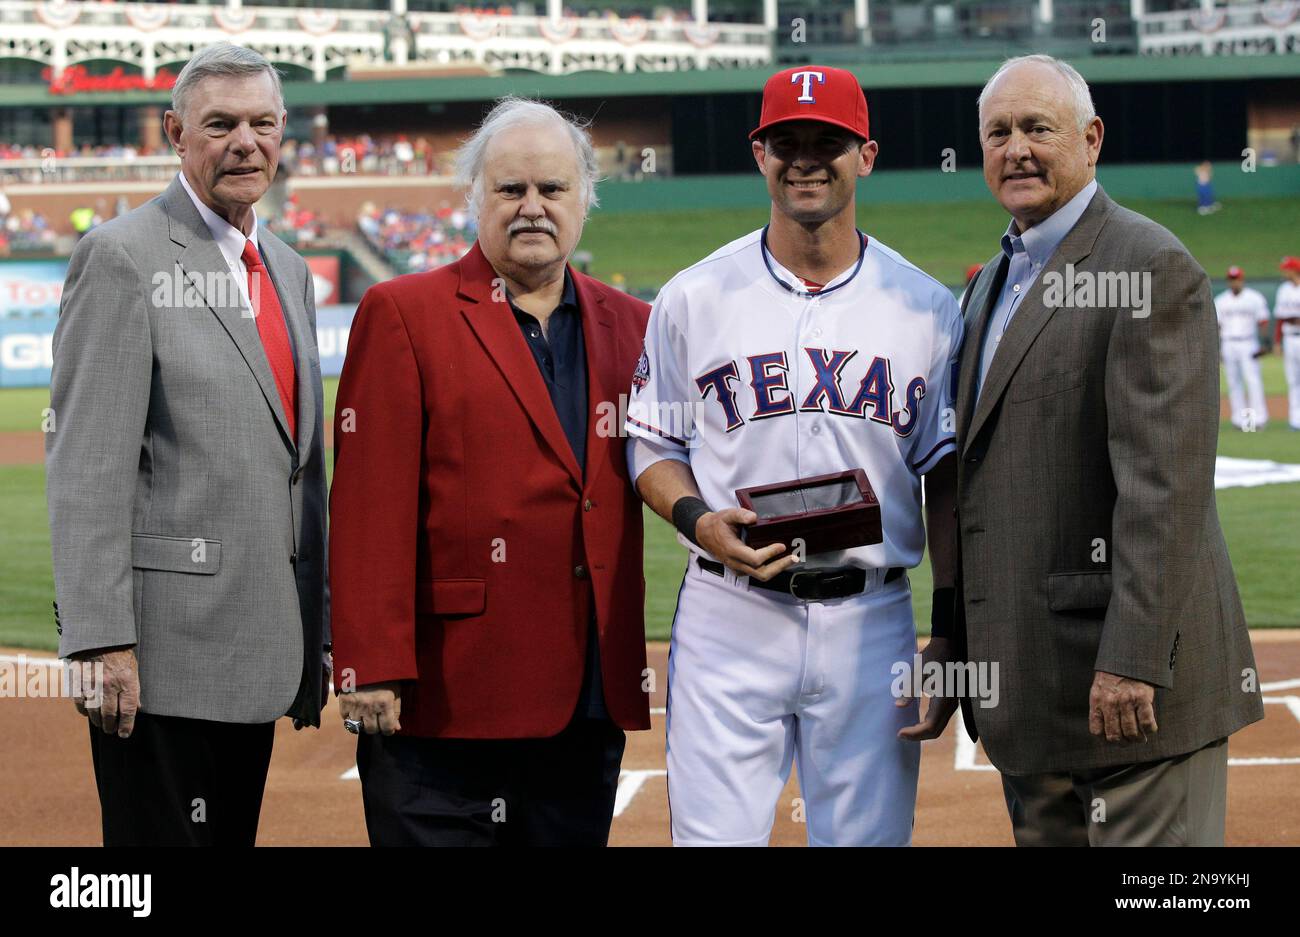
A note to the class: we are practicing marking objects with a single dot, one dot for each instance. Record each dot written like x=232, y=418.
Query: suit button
x=587, y=505
x=580, y=572
x=293, y=559
x=972, y=459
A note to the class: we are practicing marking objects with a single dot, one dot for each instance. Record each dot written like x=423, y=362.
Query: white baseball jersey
x=1240, y=314
x=1287, y=306
x=755, y=380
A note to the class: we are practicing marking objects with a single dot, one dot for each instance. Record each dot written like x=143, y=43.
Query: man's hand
x=1121, y=708
x=112, y=704
x=719, y=533
x=940, y=708
x=378, y=706
x=327, y=672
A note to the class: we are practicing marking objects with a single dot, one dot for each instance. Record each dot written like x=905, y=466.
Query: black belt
x=810, y=585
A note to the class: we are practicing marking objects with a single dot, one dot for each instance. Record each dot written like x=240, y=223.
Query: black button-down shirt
x=561, y=356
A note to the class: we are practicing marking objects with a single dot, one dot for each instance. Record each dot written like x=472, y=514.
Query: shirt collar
x=1041, y=241
x=229, y=238
x=794, y=284
x=568, y=298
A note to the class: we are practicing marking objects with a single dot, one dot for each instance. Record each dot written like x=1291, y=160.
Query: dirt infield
x=47, y=793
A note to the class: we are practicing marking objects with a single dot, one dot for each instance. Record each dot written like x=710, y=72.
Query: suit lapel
x=498, y=331
x=1033, y=314
x=279, y=258
x=201, y=260
x=979, y=306
x=604, y=384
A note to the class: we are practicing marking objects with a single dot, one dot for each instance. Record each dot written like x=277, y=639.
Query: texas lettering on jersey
x=770, y=394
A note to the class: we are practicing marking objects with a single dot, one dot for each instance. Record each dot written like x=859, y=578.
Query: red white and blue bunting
x=1280, y=13
x=58, y=13
x=558, y=30
x=1209, y=21
x=318, y=22
x=147, y=17
x=233, y=21
x=627, y=31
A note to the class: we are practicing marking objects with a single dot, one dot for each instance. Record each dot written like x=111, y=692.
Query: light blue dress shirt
x=1028, y=253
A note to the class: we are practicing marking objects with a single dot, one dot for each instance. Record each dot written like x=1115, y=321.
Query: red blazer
x=466, y=551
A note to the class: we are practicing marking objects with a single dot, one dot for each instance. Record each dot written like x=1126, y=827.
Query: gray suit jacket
x=184, y=519
x=1089, y=535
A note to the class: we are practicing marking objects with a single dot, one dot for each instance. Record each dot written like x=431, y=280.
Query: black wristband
x=687, y=512
x=943, y=612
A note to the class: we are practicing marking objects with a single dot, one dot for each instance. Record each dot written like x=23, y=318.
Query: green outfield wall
x=1174, y=181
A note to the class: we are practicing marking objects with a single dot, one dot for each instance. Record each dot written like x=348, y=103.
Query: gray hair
x=221, y=58
x=1082, y=98
x=508, y=113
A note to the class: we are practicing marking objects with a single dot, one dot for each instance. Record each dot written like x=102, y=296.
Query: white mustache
x=539, y=224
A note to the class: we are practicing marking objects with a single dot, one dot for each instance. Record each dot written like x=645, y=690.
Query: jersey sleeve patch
x=641, y=376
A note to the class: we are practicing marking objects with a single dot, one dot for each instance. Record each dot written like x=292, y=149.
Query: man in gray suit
x=1093, y=569
x=185, y=477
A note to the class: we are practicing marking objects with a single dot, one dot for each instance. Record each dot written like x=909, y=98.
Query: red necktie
x=275, y=337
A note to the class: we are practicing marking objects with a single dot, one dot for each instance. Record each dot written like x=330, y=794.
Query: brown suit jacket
x=1089, y=536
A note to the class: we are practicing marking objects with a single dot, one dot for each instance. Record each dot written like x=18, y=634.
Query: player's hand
x=939, y=709
x=108, y=689
x=378, y=706
x=1121, y=708
x=719, y=533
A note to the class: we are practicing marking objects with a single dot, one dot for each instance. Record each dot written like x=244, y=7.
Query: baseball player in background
x=802, y=349
x=1241, y=312
x=1286, y=310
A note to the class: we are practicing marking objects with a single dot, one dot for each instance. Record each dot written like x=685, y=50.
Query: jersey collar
x=767, y=261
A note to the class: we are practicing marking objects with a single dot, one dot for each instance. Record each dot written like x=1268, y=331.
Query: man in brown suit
x=1093, y=568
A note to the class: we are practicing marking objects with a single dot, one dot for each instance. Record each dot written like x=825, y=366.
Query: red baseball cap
x=1235, y=273
x=814, y=92
x=1289, y=263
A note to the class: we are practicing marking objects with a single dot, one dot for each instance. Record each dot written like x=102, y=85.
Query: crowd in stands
x=294, y=224
x=414, y=241
x=364, y=154
x=23, y=230
x=394, y=155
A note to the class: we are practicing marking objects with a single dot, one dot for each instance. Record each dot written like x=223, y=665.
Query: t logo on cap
x=838, y=100
x=806, y=97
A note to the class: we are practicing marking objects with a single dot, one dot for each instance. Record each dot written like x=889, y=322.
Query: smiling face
x=812, y=168
x=532, y=208
x=229, y=141
x=1035, y=156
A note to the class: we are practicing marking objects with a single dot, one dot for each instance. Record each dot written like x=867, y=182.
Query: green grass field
x=1259, y=523
x=941, y=239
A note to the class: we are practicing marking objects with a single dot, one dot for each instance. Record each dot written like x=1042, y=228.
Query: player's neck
x=818, y=252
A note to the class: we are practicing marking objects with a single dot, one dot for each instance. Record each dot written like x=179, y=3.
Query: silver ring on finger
x=353, y=726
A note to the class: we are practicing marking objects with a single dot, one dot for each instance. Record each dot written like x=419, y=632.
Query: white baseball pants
x=1291, y=361
x=756, y=680
x=1245, y=386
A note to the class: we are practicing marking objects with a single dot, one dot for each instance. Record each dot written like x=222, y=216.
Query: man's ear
x=867, y=153
x=172, y=130
x=759, y=149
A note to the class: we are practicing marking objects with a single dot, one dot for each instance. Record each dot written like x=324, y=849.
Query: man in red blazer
x=485, y=556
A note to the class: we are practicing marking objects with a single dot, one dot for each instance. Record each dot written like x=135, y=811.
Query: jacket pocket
x=451, y=597
x=1078, y=592
x=1046, y=386
x=176, y=554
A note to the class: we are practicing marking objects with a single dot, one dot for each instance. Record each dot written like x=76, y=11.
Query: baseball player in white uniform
x=1286, y=310
x=1241, y=311
x=802, y=349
